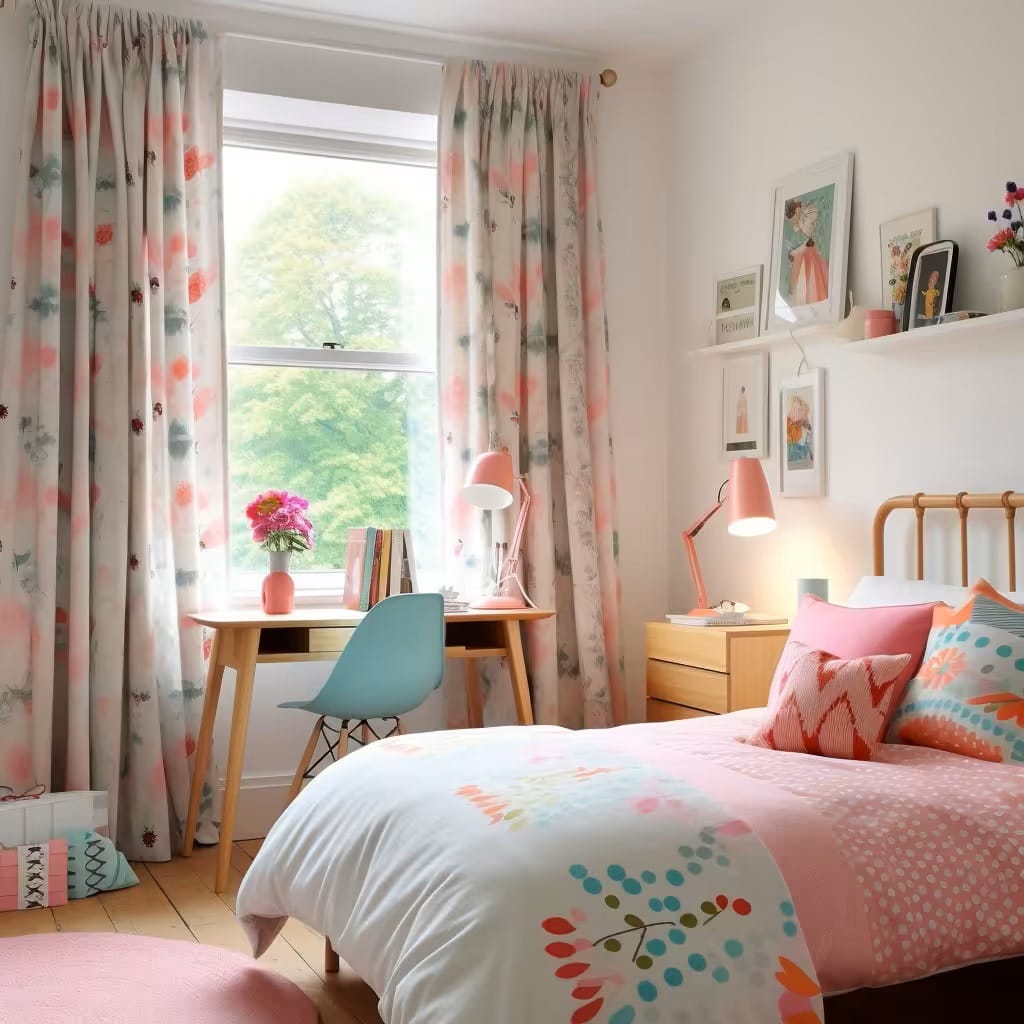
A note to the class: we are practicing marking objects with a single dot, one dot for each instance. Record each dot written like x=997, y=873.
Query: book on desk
x=379, y=562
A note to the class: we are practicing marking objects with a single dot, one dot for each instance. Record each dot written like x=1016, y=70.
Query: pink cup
x=879, y=322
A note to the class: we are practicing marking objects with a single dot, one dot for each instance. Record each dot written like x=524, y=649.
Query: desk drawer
x=702, y=648
x=683, y=684
x=663, y=711
x=329, y=638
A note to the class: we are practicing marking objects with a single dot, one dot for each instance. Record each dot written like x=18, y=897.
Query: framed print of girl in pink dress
x=810, y=242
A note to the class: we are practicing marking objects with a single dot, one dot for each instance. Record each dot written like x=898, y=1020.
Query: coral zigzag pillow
x=968, y=694
x=831, y=706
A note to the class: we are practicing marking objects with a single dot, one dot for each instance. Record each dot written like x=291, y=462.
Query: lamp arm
x=691, y=548
x=509, y=572
x=695, y=573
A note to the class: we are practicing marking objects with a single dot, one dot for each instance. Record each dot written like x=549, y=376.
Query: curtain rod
x=608, y=77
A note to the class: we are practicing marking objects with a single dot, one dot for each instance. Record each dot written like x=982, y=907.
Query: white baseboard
x=260, y=803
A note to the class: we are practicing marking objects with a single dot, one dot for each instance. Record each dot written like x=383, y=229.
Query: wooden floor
x=176, y=901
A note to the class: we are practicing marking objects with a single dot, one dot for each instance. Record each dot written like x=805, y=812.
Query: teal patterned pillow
x=968, y=694
x=95, y=865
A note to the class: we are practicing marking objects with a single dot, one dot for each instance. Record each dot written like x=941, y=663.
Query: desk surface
x=314, y=617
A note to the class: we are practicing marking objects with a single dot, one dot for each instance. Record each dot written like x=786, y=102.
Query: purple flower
x=1016, y=225
x=1007, y=214
x=992, y=215
x=1011, y=186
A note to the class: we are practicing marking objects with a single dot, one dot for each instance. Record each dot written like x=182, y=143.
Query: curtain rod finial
x=609, y=77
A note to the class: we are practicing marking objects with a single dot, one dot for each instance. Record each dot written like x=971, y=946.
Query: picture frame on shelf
x=802, y=451
x=897, y=240
x=810, y=245
x=738, y=305
x=745, y=406
x=931, y=284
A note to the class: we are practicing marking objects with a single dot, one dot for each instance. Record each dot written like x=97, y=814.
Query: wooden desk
x=244, y=638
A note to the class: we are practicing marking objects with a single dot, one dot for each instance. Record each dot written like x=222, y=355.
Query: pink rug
x=106, y=978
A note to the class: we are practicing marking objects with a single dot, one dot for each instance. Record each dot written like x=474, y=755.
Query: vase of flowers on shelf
x=1010, y=239
x=280, y=526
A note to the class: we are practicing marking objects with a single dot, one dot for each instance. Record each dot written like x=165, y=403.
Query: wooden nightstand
x=695, y=671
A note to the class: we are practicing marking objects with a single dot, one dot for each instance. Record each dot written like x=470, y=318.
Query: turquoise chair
x=392, y=663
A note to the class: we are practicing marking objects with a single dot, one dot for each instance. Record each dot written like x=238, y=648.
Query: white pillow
x=879, y=591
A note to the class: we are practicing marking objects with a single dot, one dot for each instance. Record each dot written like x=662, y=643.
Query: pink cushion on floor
x=67, y=978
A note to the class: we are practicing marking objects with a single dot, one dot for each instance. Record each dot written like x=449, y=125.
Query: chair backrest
x=392, y=663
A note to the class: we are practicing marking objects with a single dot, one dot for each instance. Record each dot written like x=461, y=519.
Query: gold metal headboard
x=963, y=503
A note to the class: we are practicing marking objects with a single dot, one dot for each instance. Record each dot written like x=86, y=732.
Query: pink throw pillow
x=832, y=706
x=859, y=632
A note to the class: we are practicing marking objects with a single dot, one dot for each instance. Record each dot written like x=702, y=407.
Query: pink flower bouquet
x=1010, y=238
x=279, y=521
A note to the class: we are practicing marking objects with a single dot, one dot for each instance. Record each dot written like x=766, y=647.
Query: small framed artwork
x=897, y=241
x=745, y=406
x=931, y=283
x=738, y=305
x=810, y=244
x=802, y=444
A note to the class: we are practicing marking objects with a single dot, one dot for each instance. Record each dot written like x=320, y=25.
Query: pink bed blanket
x=898, y=868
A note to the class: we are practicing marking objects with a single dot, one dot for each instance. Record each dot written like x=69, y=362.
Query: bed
x=659, y=872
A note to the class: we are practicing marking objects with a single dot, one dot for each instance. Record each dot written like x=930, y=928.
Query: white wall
x=921, y=94
x=633, y=184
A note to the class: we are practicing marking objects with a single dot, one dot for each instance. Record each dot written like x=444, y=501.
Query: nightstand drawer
x=663, y=711
x=700, y=647
x=683, y=684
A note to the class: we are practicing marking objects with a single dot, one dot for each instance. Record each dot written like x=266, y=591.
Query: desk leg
x=517, y=669
x=474, y=703
x=214, y=676
x=247, y=644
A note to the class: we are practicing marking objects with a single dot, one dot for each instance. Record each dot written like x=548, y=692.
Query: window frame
x=313, y=586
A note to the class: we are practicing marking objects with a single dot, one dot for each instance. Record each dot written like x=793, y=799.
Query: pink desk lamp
x=490, y=486
x=750, y=514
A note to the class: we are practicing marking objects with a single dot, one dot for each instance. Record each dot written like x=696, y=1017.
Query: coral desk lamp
x=490, y=486
x=750, y=515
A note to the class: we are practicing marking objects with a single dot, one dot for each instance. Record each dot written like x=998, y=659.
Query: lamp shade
x=491, y=480
x=750, y=503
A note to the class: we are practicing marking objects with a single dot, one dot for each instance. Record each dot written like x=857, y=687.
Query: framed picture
x=745, y=406
x=931, y=282
x=802, y=441
x=810, y=244
x=738, y=305
x=897, y=241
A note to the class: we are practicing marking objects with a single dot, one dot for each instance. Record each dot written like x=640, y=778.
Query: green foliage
x=323, y=264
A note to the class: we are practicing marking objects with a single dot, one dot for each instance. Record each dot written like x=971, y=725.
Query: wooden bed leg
x=331, y=962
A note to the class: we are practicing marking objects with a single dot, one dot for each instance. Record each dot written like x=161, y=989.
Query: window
x=330, y=262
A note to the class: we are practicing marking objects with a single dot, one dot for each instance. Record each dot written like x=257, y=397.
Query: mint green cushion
x=95, y=865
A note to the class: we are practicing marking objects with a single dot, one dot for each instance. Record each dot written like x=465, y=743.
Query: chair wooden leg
x=331, y=962
x=307, y=756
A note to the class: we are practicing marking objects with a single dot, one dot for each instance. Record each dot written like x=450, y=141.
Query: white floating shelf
x=962, y=329
x=807, y=335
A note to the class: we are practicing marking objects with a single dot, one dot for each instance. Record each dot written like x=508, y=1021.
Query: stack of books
x=725, y=619
x=378, y=564
x=452, y=601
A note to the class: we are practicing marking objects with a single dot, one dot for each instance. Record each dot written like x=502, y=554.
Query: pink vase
x=278, y=593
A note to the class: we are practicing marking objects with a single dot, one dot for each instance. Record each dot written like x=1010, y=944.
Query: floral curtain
x=524, y=367
x=111, y=428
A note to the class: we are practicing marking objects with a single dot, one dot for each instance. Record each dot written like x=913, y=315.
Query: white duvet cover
x=535, y=876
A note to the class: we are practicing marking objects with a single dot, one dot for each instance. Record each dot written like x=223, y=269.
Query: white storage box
x=35, y=820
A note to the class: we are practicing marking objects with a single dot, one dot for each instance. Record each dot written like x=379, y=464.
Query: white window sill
x=303, y=598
